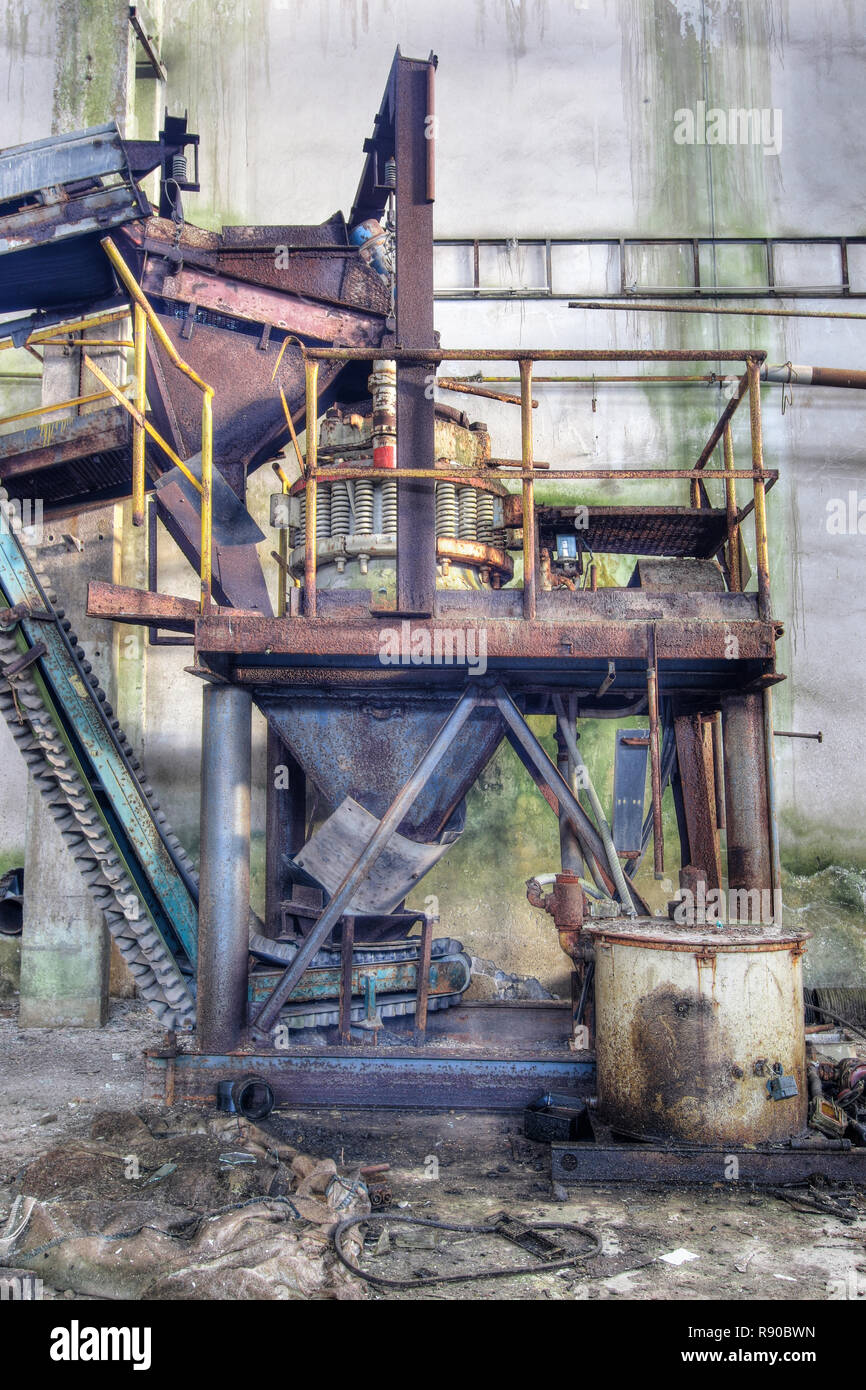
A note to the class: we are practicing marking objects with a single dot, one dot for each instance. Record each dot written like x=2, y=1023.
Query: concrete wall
x=558, y=118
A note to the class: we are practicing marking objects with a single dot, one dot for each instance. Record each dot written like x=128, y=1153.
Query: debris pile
x=183, y=1205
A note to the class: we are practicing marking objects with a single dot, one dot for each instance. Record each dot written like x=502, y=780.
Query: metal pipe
x=613, y=859
x=89, y=342
x=714, y=309
x=733, y=514
x=704, y=379
x=789, y=374
x=529, y=597
x=761, y=553
x=312, y=391
x=224, y=891
x=435, y=355
x=291, y=424
x=138, y=431
x=655, y=757
x=568, y=802
x=206, y=566
x=471, y=478
x=282, y=549
x=468, y=388
x=267, y=1015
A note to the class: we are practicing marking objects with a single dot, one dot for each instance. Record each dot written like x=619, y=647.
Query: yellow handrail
x=205, y=487
x=57, y=330
x=59, y=405
x=760, y=476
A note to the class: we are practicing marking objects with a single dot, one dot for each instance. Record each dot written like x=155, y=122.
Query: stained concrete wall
x=557, y=118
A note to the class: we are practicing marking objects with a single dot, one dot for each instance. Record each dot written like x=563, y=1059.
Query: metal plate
x=332, y=851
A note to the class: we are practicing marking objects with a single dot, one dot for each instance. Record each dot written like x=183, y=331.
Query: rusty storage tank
x=697, y=1029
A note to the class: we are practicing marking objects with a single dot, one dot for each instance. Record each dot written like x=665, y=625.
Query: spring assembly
x=467, y=506
x=178, y=168
x=485, y=517
x=446, y=510
x=323, y=511
x=389, y=507
x=364, y=507
x=341, y=512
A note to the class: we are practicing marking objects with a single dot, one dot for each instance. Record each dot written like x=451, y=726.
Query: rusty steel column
x=528, y=464
x=746, y=798
x=762, y=560
x=224, y=891
x=416, y=524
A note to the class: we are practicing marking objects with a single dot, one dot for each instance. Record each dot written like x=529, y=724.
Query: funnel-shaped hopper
x=366, y=746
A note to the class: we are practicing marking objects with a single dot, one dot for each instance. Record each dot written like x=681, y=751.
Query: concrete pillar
x=64, y=943
x=224, y=885
x=746, y=804
x=65, y=951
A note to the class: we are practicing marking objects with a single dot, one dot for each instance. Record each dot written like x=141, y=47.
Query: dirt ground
x=461, y=1169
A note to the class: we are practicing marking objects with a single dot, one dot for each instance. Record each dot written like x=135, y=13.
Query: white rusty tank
x=691, y=1025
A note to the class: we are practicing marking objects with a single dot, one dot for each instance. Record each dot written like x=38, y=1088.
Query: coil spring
x=485, y=517
x=323, y=511
x=341, y=512
x=389, y=507
x=364, y=507
x=467, y=507
x=446, y=509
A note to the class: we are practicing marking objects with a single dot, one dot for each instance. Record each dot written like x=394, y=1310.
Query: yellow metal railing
x=57, y=334
x=144, y=317
x=525, y=469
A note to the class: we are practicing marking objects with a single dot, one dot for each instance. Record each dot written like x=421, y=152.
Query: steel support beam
x=224, y=892
x=416, y=529
x=697, y=776
x=746, y=799
x=568, y=803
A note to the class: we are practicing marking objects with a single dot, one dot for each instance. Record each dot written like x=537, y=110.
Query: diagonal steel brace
x=568, y=802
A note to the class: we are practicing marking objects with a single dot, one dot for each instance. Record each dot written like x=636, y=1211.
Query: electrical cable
x=543, y=1268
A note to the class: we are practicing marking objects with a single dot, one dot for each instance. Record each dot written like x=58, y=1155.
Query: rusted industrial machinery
x=401, y=541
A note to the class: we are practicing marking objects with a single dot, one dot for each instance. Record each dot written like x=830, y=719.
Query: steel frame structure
x=670, y=649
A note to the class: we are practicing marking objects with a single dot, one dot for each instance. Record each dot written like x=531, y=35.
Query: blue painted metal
x=380, y=1079
x=170, y=896
x=367, y=748
x=629, y=789
x=448, y=975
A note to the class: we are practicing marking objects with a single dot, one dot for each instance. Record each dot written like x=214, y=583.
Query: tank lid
x=661, y=934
